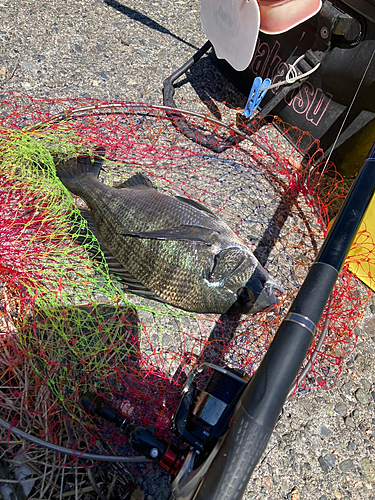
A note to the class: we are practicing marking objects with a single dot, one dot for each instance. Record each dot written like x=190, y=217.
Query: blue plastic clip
x=256, y=95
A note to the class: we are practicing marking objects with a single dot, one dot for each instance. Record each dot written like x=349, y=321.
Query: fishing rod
x=264, y=396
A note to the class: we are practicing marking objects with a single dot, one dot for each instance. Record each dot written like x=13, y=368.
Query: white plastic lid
x=232, y=26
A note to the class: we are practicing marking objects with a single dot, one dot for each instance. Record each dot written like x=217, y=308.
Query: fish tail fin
x=70, y=171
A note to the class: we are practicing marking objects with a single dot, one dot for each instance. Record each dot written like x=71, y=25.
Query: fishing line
x=326, y=324
x=292, y=76
x=67, y=451
x=347, y=113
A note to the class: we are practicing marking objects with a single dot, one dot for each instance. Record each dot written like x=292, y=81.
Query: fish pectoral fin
x=137, y=180
x=133, y=286
x=196, y=204
x=199, y=234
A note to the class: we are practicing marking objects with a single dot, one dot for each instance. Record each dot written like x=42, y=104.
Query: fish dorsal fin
x=114, y=267
x=195, y=204
x=137, y=180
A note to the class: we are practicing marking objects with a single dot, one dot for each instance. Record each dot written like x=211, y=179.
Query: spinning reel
x=206, y=407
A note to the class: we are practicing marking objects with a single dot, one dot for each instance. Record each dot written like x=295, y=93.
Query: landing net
x=68, y=326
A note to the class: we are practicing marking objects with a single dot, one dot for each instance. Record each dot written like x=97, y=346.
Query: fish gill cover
x=68, y=326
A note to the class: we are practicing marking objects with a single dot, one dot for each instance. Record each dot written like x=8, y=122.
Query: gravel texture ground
x=323, y=447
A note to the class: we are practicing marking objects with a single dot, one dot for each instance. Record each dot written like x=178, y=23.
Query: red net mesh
x=68, y=326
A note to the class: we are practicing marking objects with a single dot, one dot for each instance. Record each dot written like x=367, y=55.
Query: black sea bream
x=169, y=248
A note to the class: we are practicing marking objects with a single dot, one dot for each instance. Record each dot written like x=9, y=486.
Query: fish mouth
x=257, y=294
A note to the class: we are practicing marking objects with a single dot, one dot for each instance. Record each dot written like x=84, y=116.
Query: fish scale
x=168, y=248
x=151, y=261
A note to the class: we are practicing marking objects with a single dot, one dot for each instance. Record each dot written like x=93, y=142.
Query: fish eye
x=245, y=296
